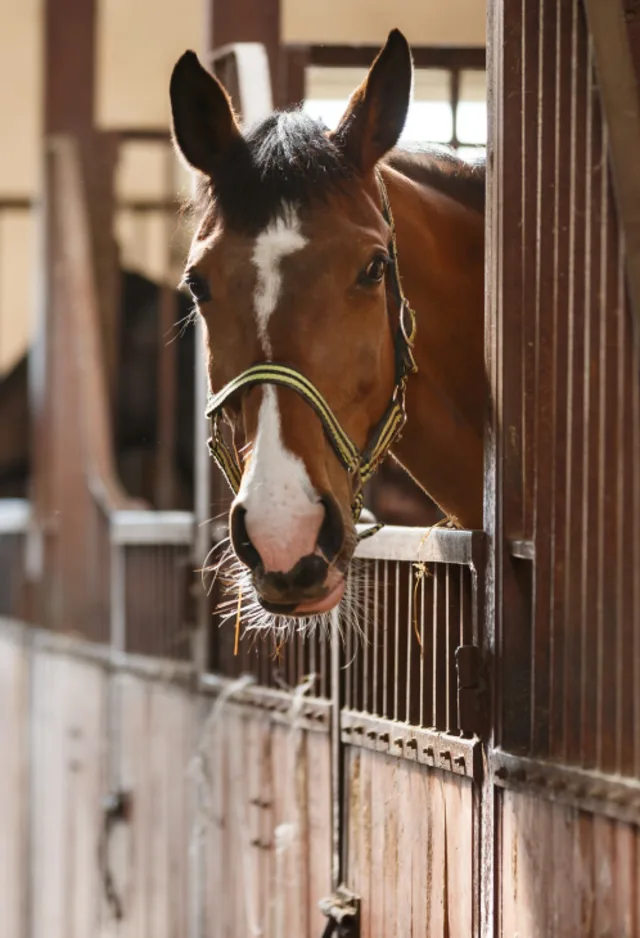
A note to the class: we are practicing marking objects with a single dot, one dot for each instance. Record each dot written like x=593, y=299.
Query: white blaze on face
x=280, y=238
x=283, y=511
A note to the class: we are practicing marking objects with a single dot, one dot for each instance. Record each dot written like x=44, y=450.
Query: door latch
x=342, y=910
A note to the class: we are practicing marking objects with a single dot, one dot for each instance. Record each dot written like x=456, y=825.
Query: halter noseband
x=359, y=465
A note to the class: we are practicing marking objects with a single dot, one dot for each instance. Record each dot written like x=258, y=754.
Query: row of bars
x=401, y=625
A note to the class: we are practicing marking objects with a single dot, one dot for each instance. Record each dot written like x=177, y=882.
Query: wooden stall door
x=267, y=822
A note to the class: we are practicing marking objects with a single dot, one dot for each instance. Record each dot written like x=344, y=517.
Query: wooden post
x=251, y=21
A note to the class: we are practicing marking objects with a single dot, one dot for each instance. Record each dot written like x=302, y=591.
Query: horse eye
x=198, y=286
x=374, y=271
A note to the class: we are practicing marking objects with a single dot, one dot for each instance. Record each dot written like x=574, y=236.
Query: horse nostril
x=331, y=534
x=308, y=572
x=240, y=540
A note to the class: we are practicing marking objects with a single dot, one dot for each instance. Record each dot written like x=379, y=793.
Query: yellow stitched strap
x=225, y=460
x=382, y=441
x=288, y=377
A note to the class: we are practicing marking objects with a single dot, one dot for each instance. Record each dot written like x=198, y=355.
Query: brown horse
x=292, y=262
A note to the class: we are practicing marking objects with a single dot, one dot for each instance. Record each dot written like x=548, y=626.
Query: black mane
x=287, y=159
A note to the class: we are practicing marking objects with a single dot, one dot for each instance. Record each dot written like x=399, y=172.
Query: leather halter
x=360, y=465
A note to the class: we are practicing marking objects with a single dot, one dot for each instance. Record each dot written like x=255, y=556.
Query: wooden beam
x=69, y=58
x=618, y=86
x=473, y=59
x=248, y=21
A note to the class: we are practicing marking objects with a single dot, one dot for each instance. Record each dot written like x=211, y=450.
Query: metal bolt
x=445, y=754
x=412, y=744
x=398, y=741
x=459, y=760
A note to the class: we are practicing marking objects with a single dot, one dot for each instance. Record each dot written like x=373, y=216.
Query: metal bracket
x=342, y=910
x=116, y=809
x=471, y=690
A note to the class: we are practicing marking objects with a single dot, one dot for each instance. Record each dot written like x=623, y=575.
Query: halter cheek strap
x=360, y=466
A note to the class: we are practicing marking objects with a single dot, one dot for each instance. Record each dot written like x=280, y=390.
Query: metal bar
x=152, y=527
x=429, y=747
x=592, y=791
x=274, y=704
x=15, y=515
x=366, y=641
x=396, y=632
x=425, y=545
x=410, y=641
x=336, y=752
x=442, y=57
x=619, y=95
x=376, y=601
x=385, y=641
x=422, y=654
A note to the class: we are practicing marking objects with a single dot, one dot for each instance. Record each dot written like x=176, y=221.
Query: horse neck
x=441, y=258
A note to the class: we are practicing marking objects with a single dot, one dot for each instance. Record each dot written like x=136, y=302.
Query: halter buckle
x=409, y=334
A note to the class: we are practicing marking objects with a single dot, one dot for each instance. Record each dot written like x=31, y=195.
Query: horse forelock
x=287, y=159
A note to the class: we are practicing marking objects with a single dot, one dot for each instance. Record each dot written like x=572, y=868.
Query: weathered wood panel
x=152, y=744
x=268, y=849
x=14, y=786
x=68, y=779
x=565, y=872
x=410, y=850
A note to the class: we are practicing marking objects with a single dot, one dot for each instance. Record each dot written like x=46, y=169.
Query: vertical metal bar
x=396, y=626
x=358, y=648
x=376, y=600
x=118, y=625
x=366, y=641
x=410, y=641
x=448, y=651
x=434, y=642
x=325, y=664
x=385, y=641
x=348, y=677
x=422, y=654
x=586, y=722
x=336, y=751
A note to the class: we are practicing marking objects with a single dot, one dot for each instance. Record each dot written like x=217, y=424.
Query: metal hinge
x=472, y=697
x=342, y=910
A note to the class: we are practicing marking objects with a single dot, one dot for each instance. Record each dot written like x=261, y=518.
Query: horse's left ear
x=203, y=123
x=376, y=113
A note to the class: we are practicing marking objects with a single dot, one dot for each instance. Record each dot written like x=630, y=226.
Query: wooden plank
x=319, y=827
x=389, y=856
x=69, y=779
x=418, y=790
x=458, y=804
x=625, y=886
x=376, y=895
x=405, y=837
x=132, y=704
x=619, y=93
x=14, y=786
x=565, y=872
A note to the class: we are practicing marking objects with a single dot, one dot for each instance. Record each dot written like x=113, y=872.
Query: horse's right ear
x=203, y=122
x=377, y=110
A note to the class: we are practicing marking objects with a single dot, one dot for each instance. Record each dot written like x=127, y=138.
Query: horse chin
x=313, y=607
x=319, y=606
